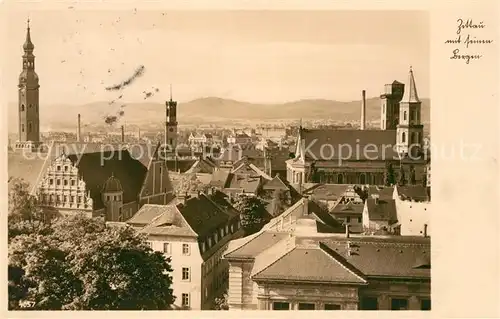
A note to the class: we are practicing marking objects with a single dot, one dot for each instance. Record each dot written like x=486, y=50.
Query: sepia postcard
x=231, y=156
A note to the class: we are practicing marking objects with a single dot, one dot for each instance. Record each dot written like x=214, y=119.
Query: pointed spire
x=28, y=45
x=170, y=92
x=410, y=94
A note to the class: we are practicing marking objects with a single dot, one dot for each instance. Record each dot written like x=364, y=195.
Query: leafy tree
x=83, y=264
x=189, y=183
x=221, y=303
x=280, y=202
x=362, y=192
x=25, y=216
x=389, y=178
x=253, y=213
x=402, y=177
x=413, y=179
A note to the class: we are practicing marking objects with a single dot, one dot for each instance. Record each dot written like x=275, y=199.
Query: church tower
x=410, y=128
x=389, y=112
x=28, y=107
x=171, y=122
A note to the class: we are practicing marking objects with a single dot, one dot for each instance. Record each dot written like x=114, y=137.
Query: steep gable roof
x=275, y=184
x=309, y=265
x=380, y=144
x=383, y=210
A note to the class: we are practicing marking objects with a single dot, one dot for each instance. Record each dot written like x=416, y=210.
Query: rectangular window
x=359, y=219
x=65, y=168
x=72, y=199
x=79, y=199
x=425, y=304
x=51, y=181
x=22, y=127
x=58, y=167
x=281, y=306
x=185, y=300
x=72, y=182
x=185, y=249
x=348, y=219
x=185, y=273
x=65, y=183
x=330, y=306
x=399, y=304
x=306, y=306
x=167, y=248
x=369, y=303
x=58, y=182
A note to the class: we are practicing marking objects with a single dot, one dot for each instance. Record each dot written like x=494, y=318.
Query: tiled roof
x=129, y=164
x=146, y=214
x=202, y=166
x=181, y=165
x=357, y=141
x=275, y=183
x=161, y=220
x=384, y=192
x=258, y=243
x=130, y=172
x=382, y=209
x=327, y=191
x=396, y=256
x=204, y=215
x=413, y=192
x=309, y=265
x=348, y=208
x=219, y=178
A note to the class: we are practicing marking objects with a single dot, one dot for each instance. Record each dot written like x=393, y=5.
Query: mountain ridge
x=206, y=110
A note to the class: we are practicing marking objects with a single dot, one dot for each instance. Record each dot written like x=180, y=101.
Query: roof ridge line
x=327, y=250
x=277, y=259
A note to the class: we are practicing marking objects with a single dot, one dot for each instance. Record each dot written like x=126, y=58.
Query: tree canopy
x=280, y=202
x=189, y=183
x=253, y=213
x=78, y=263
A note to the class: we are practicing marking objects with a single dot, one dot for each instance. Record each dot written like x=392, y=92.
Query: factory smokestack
x=78, y=130
x=123, y=135
x=363, y=110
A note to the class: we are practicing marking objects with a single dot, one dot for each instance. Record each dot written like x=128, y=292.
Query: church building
x=361, y=156
x=113, y=181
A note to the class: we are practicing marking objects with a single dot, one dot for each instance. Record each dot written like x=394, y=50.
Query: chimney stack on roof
x=363, y=109
x=78, y=130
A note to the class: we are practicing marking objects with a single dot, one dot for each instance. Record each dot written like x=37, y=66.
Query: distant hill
x=206, y=110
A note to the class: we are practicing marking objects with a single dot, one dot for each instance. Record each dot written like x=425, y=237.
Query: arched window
x=22, y=127
x=22, y=107
x=340, y=179
x=29, y=127
x=404, y=115
x=362, y=179
x=403, y=137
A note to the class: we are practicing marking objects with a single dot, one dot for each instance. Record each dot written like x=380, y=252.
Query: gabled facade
x=304, y=269
x=194, y=233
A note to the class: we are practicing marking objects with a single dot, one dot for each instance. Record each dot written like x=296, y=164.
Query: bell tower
x=28, y=106
x=410, y=128
x=171, y=122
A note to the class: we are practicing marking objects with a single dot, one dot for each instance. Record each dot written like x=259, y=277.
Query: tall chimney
x=363, y=110
x=78, y=130
x=123, y=134
x=347, y=231
x=425, y=230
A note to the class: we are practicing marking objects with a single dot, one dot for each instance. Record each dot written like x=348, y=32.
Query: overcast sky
x=255, y=56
